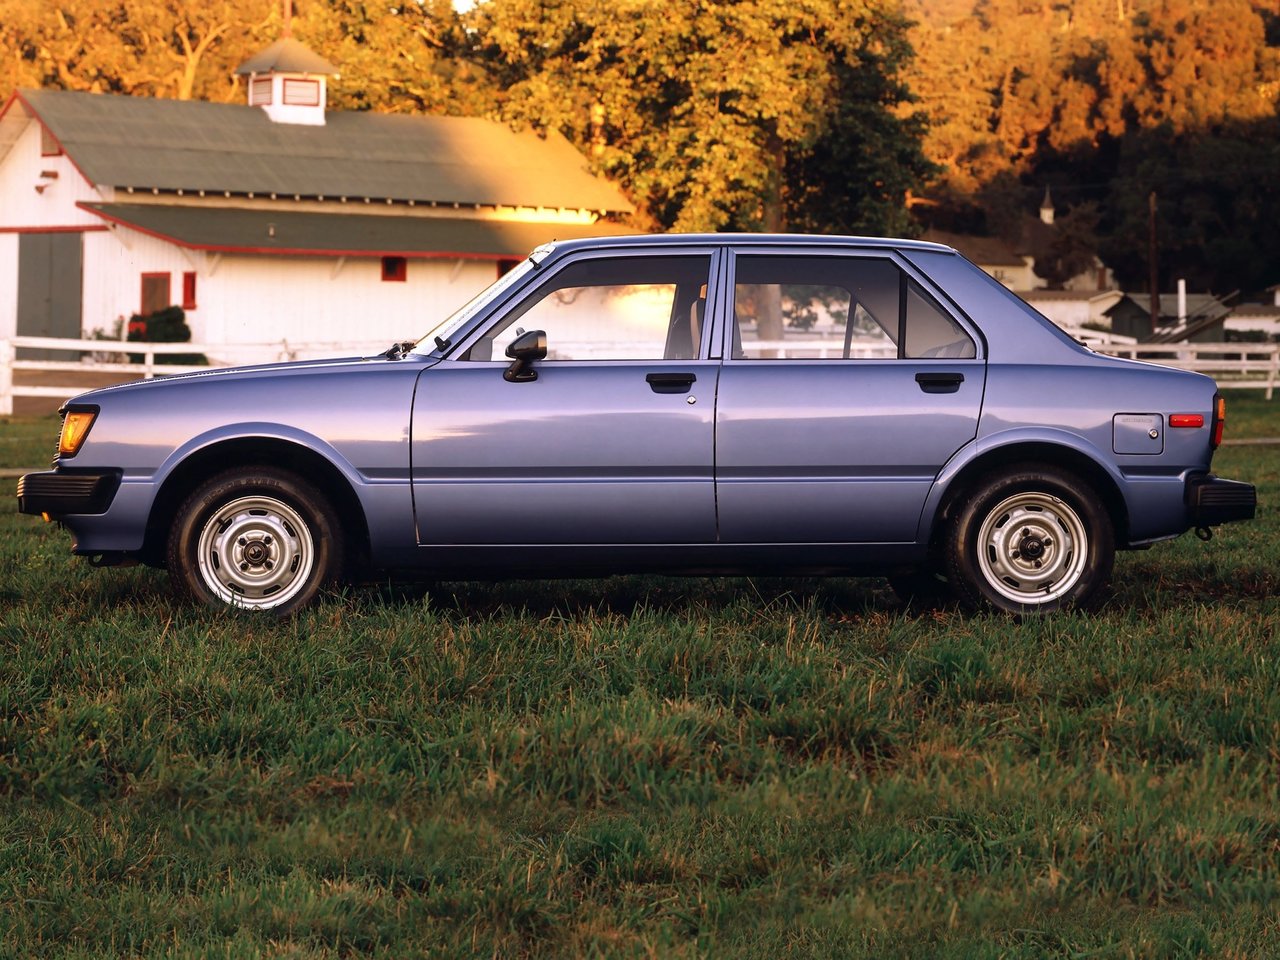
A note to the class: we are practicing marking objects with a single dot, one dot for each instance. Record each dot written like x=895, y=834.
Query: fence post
x=1275, y=368
x=7, y=354
x=149, y=370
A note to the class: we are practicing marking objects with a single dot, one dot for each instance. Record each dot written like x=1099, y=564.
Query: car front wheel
x=1031, y=539
x=257, y=538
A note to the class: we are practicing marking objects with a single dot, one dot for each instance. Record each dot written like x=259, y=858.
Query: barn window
x=49, y=146
x=189, y=290
x=155, y=293
x=260, y=92
x=302, y=93
x=395, y=269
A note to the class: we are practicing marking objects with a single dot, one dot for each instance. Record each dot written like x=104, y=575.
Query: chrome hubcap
x=1032, y=548
x=255, y=552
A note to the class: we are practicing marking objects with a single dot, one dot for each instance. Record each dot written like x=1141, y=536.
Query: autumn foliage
x=866, y=116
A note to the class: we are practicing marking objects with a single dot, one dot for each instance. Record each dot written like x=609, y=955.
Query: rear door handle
x=939, y=382
x=670, y=382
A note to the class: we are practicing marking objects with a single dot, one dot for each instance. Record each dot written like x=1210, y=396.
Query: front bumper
x=1212, y=500
x=62, y=493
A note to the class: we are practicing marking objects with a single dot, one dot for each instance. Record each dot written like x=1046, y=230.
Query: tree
x=703, y=110
x=1219, y=208
x=1106, y=101
x=401, y=58
x=162, y=48
x=856, y=175
x=713, y=114
x=1072, y=246
x=394, y=58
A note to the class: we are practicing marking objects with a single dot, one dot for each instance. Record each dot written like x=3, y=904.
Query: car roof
x=649, y=241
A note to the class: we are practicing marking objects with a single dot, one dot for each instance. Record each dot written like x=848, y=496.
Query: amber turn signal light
x=1219, y=420
x=75, y=427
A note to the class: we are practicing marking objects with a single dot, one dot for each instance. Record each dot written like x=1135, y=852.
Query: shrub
x=164, y=326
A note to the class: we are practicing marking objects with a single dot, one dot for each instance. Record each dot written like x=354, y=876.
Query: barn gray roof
x=287, y=55
x=191, y=145
x=301, y=233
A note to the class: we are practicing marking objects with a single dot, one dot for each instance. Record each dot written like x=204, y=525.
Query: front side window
x=641, y=308
x=798, y=308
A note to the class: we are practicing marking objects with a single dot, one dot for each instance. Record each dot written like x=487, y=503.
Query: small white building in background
x=994, y=256
x=1074, y=309
x=273, y=221
x=1251, y=319
x=1014, y=263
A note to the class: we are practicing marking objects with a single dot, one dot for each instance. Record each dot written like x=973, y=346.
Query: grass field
x=643, y=766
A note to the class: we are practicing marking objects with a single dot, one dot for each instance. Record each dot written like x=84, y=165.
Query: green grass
x=28, y=441
x=643, y=766
x=1249, y=415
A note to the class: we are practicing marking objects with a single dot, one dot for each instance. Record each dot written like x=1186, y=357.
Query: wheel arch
x=217, y=457
x=962, y=478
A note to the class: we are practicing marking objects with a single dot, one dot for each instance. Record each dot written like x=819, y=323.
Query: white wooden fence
x=112, y=356
x=1233, y=365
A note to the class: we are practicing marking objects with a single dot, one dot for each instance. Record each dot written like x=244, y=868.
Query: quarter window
x=648, y=308
x=798, y=308
x=931, y=333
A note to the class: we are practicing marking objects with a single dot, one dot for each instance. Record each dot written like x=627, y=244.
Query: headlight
x=75, y=427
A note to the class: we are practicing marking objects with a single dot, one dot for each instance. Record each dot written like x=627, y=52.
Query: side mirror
x=523, y=350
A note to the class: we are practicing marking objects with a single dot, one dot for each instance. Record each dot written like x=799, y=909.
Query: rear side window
x=850, y=308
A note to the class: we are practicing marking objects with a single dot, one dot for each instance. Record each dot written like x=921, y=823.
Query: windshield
x=446, y=329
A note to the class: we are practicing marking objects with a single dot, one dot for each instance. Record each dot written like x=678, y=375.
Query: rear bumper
x=62, y=493
x=1212, y=500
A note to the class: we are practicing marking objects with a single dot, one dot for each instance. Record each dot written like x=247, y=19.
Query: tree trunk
x=773, y=220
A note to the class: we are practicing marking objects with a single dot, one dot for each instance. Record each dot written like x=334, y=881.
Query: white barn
x=273, y=221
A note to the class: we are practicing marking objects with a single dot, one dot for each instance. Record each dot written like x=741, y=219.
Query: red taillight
x=1186, y=420
x=1219, y=420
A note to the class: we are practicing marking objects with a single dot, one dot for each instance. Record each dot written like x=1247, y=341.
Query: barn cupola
x=288, y=81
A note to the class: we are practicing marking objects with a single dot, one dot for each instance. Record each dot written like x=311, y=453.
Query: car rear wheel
x=1031, y=539
x=255, y=538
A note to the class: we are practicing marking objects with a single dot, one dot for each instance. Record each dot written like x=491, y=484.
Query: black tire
x=1031, y=539
x=255, y=538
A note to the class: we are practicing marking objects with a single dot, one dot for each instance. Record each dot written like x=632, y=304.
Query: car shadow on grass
x=1153, y=588
x=628, y=595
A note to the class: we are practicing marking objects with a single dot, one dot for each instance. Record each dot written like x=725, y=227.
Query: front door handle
x=939, y=382
x=671, y=382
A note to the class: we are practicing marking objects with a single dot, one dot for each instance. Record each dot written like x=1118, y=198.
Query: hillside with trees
x=1107, y=102
x=863, y=116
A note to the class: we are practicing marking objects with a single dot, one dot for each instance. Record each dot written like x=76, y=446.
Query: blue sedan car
x=695, y=404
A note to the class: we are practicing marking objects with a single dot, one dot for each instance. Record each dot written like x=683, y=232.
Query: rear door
x=846, y=386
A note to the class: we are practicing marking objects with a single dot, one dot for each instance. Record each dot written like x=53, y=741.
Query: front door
x=611, y=443
x=845, y=389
